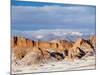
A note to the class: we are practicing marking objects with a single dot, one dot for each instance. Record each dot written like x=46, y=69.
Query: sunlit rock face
x=22, y=46
x=85, y=45
x=22, y=42
x=93, y=41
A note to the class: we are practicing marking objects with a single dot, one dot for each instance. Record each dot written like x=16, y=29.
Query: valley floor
x=80, y=64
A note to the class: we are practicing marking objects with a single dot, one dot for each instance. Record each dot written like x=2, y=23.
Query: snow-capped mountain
x=48, y=35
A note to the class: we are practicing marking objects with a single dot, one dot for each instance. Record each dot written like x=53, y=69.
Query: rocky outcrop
x=22, y=46
x=34, y=56
x=66, y=44
x=61, y=45
x=83, y=44
x=80, y=48
x=22, y=42
x=60, y=49
x=93, y=41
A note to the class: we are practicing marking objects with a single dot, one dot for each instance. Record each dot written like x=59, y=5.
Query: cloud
x=53, y=16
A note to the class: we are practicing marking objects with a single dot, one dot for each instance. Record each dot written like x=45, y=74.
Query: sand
x=79, y=64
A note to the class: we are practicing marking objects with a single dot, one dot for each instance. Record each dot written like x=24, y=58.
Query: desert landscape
x=49, y=37
x=29, y=56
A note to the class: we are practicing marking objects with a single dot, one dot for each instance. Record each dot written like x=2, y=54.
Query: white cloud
x=53, y=15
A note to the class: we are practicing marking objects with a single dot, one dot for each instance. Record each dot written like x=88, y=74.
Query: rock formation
x=93, y=41
x=22, y=42
x=22, y=47
x=80, y=48
x=83, y=44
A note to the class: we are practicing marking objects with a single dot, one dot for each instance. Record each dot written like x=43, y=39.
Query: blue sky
x=37, y=15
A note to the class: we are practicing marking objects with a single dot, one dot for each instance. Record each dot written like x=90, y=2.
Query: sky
x=39, y=15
